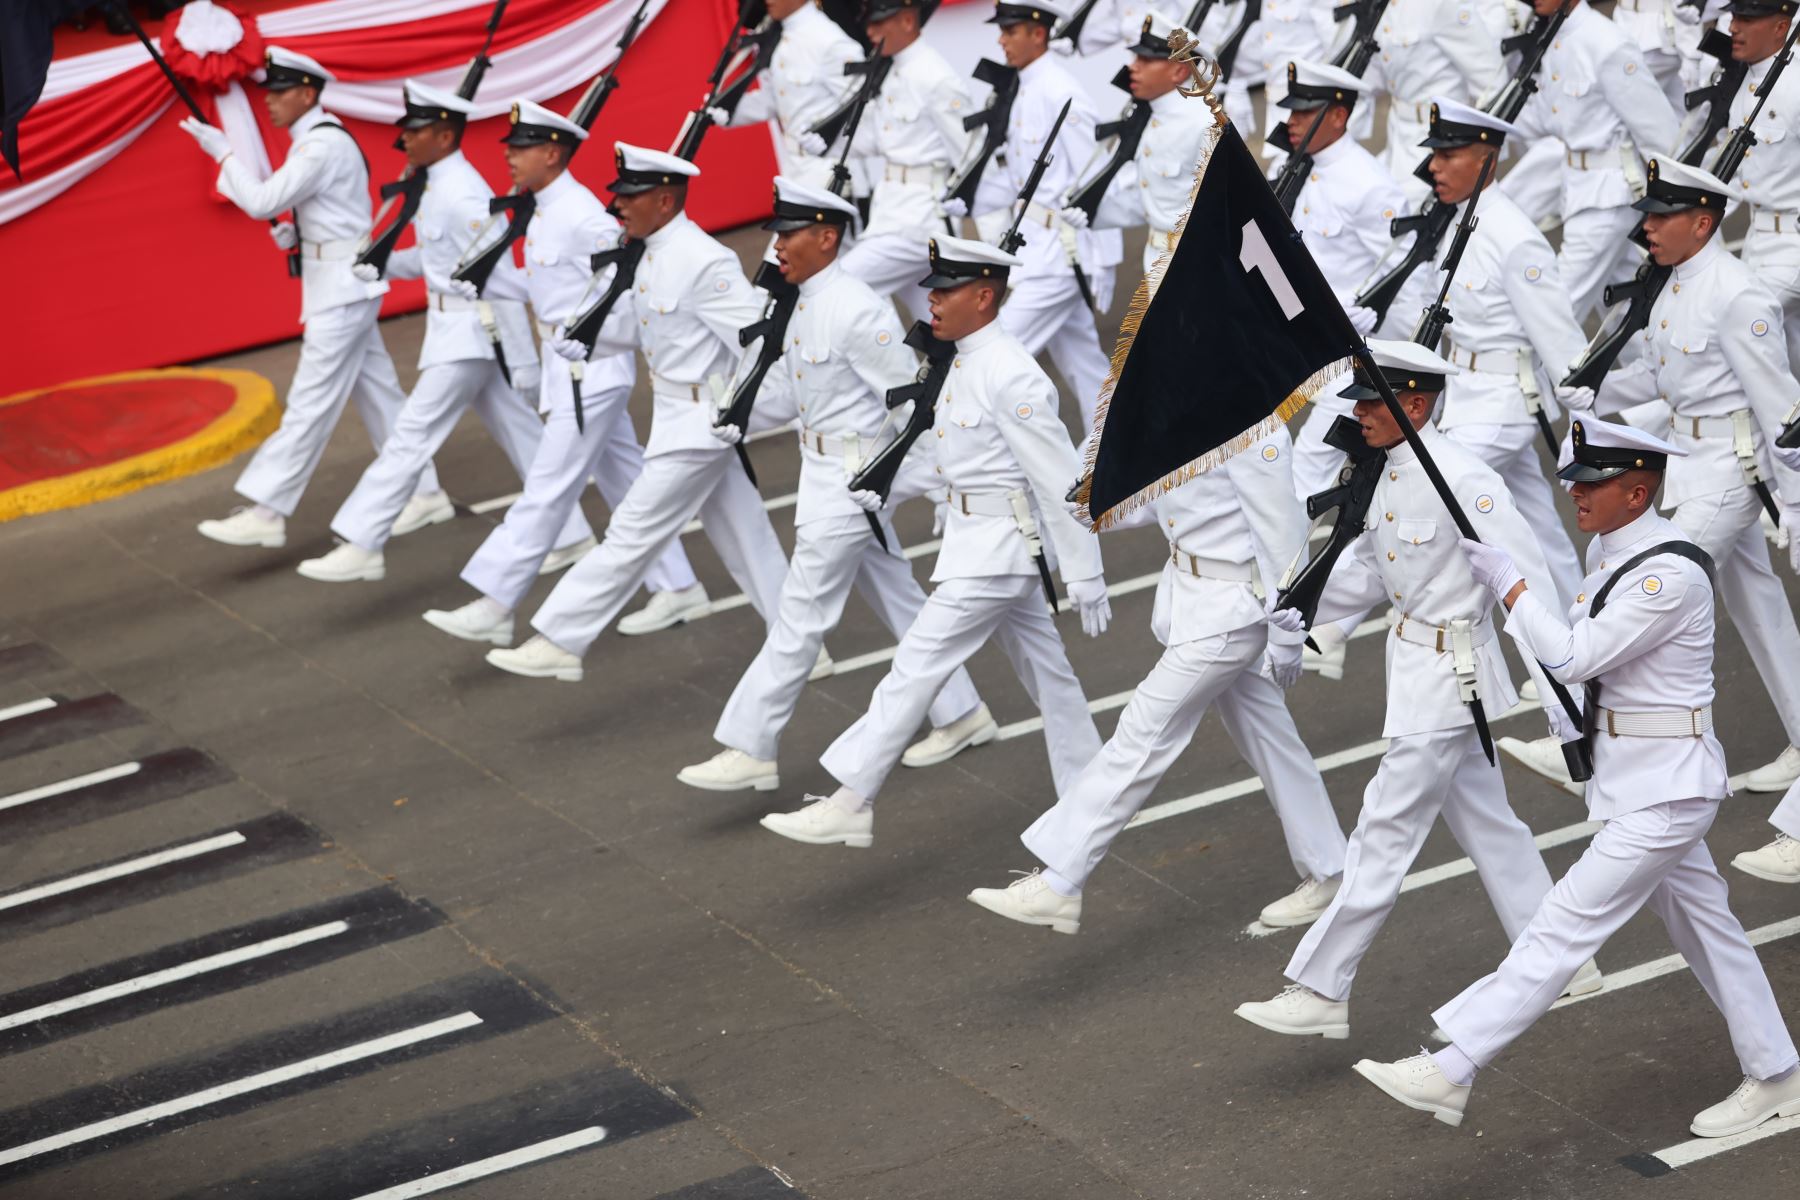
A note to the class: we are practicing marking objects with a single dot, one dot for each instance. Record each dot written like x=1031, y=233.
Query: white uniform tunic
x=1434, y=761
x=326, y=184
x=1651, y=651
x=844, y=352
x=1229, y=530
x=567, y=227
x=1153, y=188
x=1513, y=334
x=1714, y=353
x=1044, y=308
x=915, y=128
x=688, y=303
x=1429, y=48
x=1121, y=23
x=1668, y=34
x=457, y=370
x=803, y=84
x=1769, y=180
x=1344, y=211
x=1598, y=98
x=997, y=435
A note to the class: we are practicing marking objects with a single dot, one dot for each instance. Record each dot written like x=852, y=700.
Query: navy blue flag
x=25, y=50
x=1230, y=334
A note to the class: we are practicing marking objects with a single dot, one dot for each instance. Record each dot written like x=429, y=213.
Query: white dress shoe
x=731, y=771
x=564, y=557
x=823, y=667
x=1777, y=776
x=1587, y=981
x=1418, y=1083
x=1298, y=1011
x=244, y=528
x=421, y=511
x=346, y=563
x=1528, y=691
x=823, y=822
x=473, y=622
x=1304, y=905
x=1777, y=862
x=1542, y=755
x=666, y=609
x=538, y=658
x=1755, y=1101
x=944, y=744
x=1031, y=901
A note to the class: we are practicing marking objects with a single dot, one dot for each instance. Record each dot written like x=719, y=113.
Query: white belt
x=1162, y=240
x=1764, y=221
x=1597, y=160
x=444, y=302
x=1682, y=723
x=546, y=330
x=847, y=447
x=982, y=504
x=669, y=389
x=1417, y=111
x=1038, y=214
x=927, y=175
x=1728, y=425
x=1215, y=568
x=330, y=251
x=1439, y=637
x=1500, y=360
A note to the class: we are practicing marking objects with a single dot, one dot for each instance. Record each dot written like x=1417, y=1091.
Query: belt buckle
x=1694, y=722
x=962, y=499
x=1612, y=726
x=1440, y=639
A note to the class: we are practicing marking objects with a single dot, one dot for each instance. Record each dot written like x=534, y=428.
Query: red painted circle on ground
x=70, y=429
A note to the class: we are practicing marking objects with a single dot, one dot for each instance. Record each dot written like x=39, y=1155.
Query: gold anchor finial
x=1185, y=48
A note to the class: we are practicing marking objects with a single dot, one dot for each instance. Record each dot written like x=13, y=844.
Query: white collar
x=557, y=188
x=985, y=336
x=822, y=280
x=1646, y=526
x=1402, y=453
x=667, y=232
x=307, y=121
x=1703, y=260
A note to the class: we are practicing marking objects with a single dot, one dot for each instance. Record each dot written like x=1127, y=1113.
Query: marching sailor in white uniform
x=689, y=300
x=543, y=530
x=844, y=353
x=1006, y=457
x=325, y=181
x=1443, y=651
x=1430, y=49
x=803, y=84
x=1714, y=353
x=1640, y=639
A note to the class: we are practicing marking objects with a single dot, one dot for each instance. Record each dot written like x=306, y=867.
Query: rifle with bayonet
x=1716, y=96
x=584, y=326
x=1226, y=59
x=750, y=48
x=874, y=71
x=409, y=189
x=1359, y=51
x=772, y=329
x=1298, y=166
x=993, y=121
x=1639, y=293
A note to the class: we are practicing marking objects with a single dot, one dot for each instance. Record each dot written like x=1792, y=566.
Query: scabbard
x=1578, y=757
x=1768, y=501
x=506, y=371
x=1544, y=427
x=1044, y=575
x=580, y=411
x=875, y=528
x=744, y=457
x=1086, y=288
x=1481, y=729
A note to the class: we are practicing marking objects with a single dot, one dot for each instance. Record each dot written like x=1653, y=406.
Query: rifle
x=772, y=329
x=1294, y=171
x=1070, y=30
x=1789, y=437
x=993, y=121
x=749, y=49
x=409, y=189
x=1360, y=50
x=1234, y=41
x=875, y=72
x=1716, y=96
x=878, y=474
x=1639, y=293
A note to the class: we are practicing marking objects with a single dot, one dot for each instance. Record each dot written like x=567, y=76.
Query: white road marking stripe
x=772, y=504
x=1673, y=963
x=481, y=1168
x=27, y=708
x=496, y=504
x=923, y=548
x=1692, y=1151
x=148, y=862
x=1466, y=866
x=104, y=775
x=239, y=1087
x=1036, y=724
x=187, y=970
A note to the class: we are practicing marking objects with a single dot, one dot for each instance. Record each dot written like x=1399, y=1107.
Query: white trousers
x=1655, y=856
x=957, y=620
x=893, y=264
x=1786, y=816
x=1046, y=312
x=1596, y=251
x=1157, y=725
x=342, y=357
x=542, y=518
x=437, y=402
x=1727, y=526
x=1512, y=451
x=673, y=488
x=1421, y=775
x=830, y=554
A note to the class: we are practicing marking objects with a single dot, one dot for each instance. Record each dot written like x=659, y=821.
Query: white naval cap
x=1670, y=185
x=798, y=205
x=1454, y=123
x=535, y=125
x=1315, y=84
x=1603, y=449
x=1047, y=14
x=426, y=105
x=1153, y=39
x=956, y=261
x=1407, y=367
x=641, y=169
x=284, y=69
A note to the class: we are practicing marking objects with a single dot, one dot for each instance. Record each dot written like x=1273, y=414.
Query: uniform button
x=645, y=321
x=1396, y=595
x=642, y=288
x=1677, y=288
x=1390, y=516
x=1393, y=474
x=1556, y=79
x=1415, y=541
x=940, y=433
x=1315, y=177
x=802, y=307
x=1664, y=323
x=1144, y=183
x=1171, y=524
x=1581, y=598
x=1391, y=559
x=799, y=375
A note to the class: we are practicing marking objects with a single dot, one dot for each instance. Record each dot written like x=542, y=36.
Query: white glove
x=465, y=289
x=366, y=272
x=954, y=207
x=1283, y=662
x=1787, y=458
x=567, y=347
x=811, y=143
x=1790, y=521
x=1090, y=600
x=283, y=235
x=1561, y=728
x=1363, y=320
x=727, y=434
x=1077, y=511
x=1576, y=399
x=1289, y=621
x=940, y=514
x=211, y=139
x=869, y=502
x=1492, y=567
x=1075, y=218
x=718, y=116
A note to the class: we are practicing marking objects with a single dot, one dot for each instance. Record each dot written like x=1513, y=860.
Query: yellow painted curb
x=251, y=418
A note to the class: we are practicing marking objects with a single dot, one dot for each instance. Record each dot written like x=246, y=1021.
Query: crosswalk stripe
x=1036, y=724
x=27, y=708
x=469, y=1172
x=132, y=866
x=1466, y=866
x=1683, y=1154
x=75, y=783
x=1670, y=964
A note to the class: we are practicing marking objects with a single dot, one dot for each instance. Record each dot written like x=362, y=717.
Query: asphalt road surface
x=301, y=899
